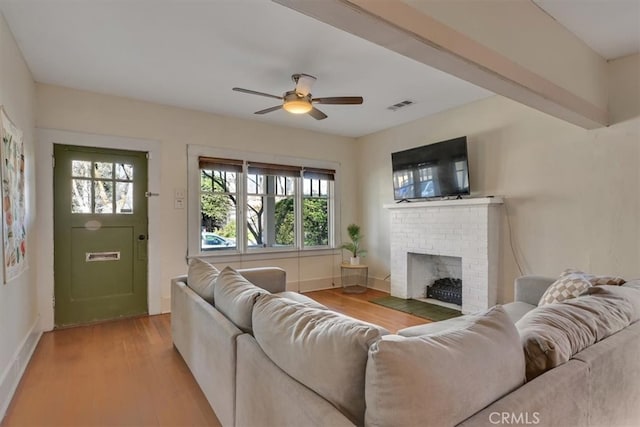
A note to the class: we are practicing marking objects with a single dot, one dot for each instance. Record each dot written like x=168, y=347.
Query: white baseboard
x=313, y=285
x=11, y=376
x=380, y=284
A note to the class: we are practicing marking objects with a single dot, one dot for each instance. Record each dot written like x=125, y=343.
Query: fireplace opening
x=446, y=289
x=435, y=279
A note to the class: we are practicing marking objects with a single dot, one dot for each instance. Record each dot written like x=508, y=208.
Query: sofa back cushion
x=632, y=284
x=442, y=379
x=235, y=296
x=201, y=278
x=301, y=299
x=553, y=333
x=325, y=351
x=272, y=279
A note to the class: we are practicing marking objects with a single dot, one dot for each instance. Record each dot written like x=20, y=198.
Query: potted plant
x=354, y=246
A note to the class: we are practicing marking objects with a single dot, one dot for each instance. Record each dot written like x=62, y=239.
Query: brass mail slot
x=102, y=256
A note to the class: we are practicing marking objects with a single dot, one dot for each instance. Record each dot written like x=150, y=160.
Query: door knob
x=142, y=237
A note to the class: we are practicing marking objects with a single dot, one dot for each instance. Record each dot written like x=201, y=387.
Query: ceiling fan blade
x=317, y=114
x=268, y=110
x=303, y=83
x=253, y=92
x=342, y=100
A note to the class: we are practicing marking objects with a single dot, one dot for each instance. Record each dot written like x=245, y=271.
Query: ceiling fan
x=300, y=101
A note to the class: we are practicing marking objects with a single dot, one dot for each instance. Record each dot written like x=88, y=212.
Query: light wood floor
x=120, y=373
x=127, y=373
x=358, y=306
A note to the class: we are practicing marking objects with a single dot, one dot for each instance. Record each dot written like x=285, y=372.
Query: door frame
x=44, y=230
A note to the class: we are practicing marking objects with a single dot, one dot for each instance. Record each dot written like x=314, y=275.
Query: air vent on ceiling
x=399, y=105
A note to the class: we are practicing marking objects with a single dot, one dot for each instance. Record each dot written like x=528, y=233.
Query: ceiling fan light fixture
x=296, y=104
x=300, y=106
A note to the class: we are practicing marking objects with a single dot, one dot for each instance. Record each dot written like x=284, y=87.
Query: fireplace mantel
x=466, y=228
x=453, y=202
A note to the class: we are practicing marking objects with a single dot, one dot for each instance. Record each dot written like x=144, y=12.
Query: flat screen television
x=430, y=171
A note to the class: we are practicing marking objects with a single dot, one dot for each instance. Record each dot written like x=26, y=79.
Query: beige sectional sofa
x=269, y=359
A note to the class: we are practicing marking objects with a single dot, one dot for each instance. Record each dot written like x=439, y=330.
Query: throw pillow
x=569, y=285
x=201, y=278
x=596, y=280
x=608, y=281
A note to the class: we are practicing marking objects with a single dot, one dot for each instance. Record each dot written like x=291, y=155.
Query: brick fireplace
x=463, y=231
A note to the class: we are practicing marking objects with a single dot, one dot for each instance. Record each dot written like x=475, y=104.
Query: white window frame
x=194, y=152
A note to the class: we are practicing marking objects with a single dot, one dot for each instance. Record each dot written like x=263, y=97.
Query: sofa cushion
x=517, y=309
x=443, y=379
x=569, y=285
x=201, y=277
x=553, y=333
x=272, y=279
x=616, y=292
x=633, y=284
x=325, y=351
x=302, y=299
x=235, y=296
x=433, y=328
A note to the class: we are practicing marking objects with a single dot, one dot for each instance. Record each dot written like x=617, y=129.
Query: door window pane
x=103, y=170
x=81, y=195
x=101, y=200
x=80, y=168
x=124, y=172
x=103, y=197
x=124, y=197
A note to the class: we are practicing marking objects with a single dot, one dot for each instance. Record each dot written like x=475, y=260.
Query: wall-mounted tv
x=434, y=170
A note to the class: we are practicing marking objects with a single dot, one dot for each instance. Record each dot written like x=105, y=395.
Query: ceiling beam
x=412, y=33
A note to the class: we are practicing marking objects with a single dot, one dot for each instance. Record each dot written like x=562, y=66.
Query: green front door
x=100, y=234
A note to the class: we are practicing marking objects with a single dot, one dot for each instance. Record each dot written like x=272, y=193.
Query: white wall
x=18, y=301
x=572, y=195
x=174, y=128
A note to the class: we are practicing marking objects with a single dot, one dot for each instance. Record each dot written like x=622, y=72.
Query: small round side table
x=354, y=278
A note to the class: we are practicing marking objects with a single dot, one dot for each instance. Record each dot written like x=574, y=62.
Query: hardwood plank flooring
x=358, y=306
x=119, y=373
x=127, y=373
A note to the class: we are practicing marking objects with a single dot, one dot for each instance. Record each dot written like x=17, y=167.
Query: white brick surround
x=467, y=228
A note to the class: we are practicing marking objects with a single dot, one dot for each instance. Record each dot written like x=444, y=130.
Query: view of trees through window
x=101, y=187
x=218, y=208
x=270, y=209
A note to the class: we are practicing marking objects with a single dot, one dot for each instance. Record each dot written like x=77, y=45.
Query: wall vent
x=396, y=107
